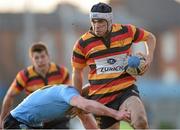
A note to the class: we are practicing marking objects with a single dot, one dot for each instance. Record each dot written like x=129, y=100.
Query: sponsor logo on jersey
x=111, y=64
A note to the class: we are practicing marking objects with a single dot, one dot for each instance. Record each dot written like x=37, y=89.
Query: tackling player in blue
x=56, y=102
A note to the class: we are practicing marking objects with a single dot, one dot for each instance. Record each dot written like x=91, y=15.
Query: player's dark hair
x=38, y=47
x=101, y=8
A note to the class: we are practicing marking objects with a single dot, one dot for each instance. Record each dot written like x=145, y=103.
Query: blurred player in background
x=103, y=48
x=42, y=72
x=54, y=102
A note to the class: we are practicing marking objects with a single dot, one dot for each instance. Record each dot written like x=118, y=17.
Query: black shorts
x=105, y=122
x=62, y=123
x=11, y=123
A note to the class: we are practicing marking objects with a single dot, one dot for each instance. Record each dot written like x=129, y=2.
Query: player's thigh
x=135, y=106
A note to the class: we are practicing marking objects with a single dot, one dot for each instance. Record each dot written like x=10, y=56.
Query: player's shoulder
x=30, y=71
x=128, y=25
x=117, y=27
x=84, y=40
x=54, y=65
x=25, y=71
x=29, y=68
x=86, y=36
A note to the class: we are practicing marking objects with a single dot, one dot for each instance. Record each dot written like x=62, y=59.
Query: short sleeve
x=139, y=34
x=19, y=82
x=78, y=57
x=69, y=92
x=65, y=75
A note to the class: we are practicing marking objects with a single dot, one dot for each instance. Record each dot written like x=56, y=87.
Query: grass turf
x=125, y=125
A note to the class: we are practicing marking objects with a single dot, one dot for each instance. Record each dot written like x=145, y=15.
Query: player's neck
x=43, y=72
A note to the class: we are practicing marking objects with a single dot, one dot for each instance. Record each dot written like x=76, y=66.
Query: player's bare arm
x=7, y=103
x=97, y=108
x=77, y=78
x=151, y=43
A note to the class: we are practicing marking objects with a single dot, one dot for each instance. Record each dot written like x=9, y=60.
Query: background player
x=42, y=72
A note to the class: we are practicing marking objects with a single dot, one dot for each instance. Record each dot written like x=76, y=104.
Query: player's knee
x=140, y=123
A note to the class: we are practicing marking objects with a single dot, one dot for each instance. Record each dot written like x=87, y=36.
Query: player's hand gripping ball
x=135, y=65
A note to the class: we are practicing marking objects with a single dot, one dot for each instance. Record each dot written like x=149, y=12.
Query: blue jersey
x=45, y=105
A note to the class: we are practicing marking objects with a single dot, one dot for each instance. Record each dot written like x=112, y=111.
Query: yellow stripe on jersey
x=20, y=80
x=78, y=65
x=116, y=27
x=103, y=76
x=87, y=36
x=31, y=71
x=79, y=52
x=133, y=29
x=52, y=68
x=95, y=49
x=113, y=88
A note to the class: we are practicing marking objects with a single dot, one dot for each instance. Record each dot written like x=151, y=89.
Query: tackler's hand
x=123, y=115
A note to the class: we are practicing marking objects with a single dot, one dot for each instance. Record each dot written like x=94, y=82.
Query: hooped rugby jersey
x=29, y=80
x=105, y=59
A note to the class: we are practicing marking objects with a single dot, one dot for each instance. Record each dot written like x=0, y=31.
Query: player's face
x=99, y=27
x=40, y=60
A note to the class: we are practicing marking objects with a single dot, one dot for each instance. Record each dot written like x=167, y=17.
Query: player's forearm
x=6, y=106
x=100, y=109
x=92, y=106
x=77, y=79
x=151, y=42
